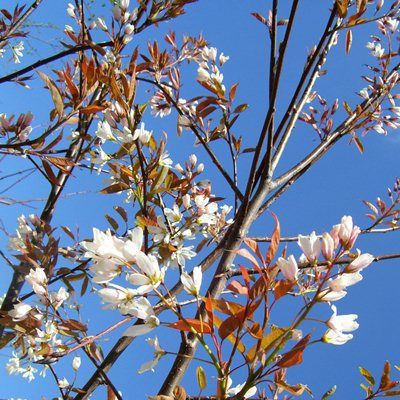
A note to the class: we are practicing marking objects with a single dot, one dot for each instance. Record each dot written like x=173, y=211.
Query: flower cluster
x=208, y=72
x=335, y=248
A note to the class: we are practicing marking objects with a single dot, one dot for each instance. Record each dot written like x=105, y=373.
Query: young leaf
x=367, y=375
x=294, y=356
x=190, y=324
x=275, y=240
x=201, y=377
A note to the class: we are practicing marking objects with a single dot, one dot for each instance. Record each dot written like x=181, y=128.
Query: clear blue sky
x=333, y=188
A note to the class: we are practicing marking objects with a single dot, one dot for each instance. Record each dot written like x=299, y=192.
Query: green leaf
x=201, y=377
x=329, y=393
x=367, y=375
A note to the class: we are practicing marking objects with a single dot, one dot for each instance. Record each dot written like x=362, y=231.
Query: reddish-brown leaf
x=190, y=324
x=275, y=240
x=294, y=356
x=282, y=287
x=238, y=288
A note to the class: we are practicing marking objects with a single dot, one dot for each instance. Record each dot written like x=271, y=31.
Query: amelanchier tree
x=146, y=269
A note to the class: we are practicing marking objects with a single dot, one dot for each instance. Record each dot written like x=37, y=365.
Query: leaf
x=359, y=144
x=266, y=342
x=49, y=173
x=232, y=92
x=386, y=382
x=92, y=109
x=115, y=188
x=342, y=6
x=294, y=356
x=231, y=338
x=73, y=325
x=110, y=394
x=367, y=375
x=225, y=306
x=62, y=163
x=229, y=326
x=55, y=93
x=85, y=284
x=238, y=288
x=112, y=222
x=122, y=212
x=179, y=393
x=296, y=390
x=329, y=393
x=246, y=254
x=241, y=108
x=391, y=393
x=201, y=377
x=6, y=338
x=348, y=41
x=282, y=287
x=190, y=324
x=259, y=17
x=275, y=240
x=68, y=232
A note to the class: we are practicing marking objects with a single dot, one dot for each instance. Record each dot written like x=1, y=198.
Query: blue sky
x=333, y=188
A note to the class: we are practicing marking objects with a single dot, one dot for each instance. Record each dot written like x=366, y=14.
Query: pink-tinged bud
x=311, y=246
x=328, y=246
x=288, y=268
x=117, y=13
x=346, y=231
x=353, y=237
x=361, y=262
x=129, y=29
x=335, y=235
x=345, y=228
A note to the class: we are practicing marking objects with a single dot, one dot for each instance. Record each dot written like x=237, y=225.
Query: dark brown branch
x=271, y=108
x=48, y=60
x=20, y=21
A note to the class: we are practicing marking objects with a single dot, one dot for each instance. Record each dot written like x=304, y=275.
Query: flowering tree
x=179, y=258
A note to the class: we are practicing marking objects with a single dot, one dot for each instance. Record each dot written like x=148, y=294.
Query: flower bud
x=200, y=168
x=179, y=168
x=186, y=201
x=100, y=23
x=76, y=363
x=193, y=159
x=328, y=246
x=129, y=29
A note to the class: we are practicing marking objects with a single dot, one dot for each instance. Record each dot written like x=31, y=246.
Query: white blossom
x=192, y=284
x=342, y=323
x=336, y=338
x=63, y=383
x=288, y=268
x=19, y=311
x=311, y=246
x=232, y=391
x=38, y=280
x=141, y=329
